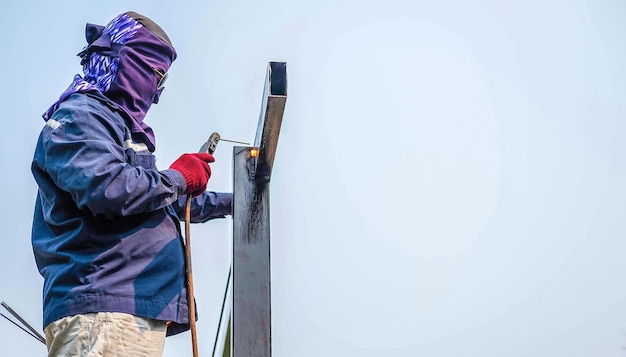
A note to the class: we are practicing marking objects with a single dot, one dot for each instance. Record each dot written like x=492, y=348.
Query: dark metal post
x=251, y=310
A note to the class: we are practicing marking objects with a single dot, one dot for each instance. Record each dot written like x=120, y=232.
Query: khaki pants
x=107, y=334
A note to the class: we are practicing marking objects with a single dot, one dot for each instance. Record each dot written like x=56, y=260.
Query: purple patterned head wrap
x=121, y=61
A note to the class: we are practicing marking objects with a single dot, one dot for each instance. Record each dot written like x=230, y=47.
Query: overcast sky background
x=450, y=176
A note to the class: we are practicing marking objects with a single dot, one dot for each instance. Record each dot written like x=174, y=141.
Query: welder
x=106, y=234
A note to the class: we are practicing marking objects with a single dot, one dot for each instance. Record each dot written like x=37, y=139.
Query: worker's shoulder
x=86, y=103
x=87, y=109
x=82, y=116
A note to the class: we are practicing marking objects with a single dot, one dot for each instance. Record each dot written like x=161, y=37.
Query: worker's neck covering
x=124, y=61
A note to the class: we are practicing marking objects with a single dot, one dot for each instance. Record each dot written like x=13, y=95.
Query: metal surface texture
x=250, y=329
x=270, y=119
x=251, y=309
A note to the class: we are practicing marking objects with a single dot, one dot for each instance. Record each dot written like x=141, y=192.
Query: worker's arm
x=207, y=206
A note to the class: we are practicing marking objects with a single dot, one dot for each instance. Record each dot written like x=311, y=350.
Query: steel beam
x=270, y=119
x=250, y=327
x=251, y=312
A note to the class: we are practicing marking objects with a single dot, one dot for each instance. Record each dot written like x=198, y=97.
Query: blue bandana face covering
x=125, y=61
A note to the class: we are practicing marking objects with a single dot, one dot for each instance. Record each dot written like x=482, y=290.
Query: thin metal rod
x=23, y=329
x=192, y=302
x=236, y=142
x=219, y=324
x=17, y=316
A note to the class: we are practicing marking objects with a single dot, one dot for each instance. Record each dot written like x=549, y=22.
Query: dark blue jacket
x=106, y=233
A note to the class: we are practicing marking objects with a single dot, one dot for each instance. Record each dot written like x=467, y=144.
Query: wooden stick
x=192, y=302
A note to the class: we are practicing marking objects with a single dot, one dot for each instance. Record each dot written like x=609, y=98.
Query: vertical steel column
x=251, y=328
x=251, y=310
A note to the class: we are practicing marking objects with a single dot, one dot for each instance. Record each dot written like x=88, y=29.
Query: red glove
x=196, y=171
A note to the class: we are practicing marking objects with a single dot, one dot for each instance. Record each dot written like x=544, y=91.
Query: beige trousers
x=107, y=334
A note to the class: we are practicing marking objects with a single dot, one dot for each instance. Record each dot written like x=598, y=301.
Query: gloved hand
x=196, y=171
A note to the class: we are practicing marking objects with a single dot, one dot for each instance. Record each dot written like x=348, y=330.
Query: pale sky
x=450, y=178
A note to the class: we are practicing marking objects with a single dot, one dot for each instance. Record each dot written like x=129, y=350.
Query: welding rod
x=236, y=142
x=32, y=332
x=22, y=328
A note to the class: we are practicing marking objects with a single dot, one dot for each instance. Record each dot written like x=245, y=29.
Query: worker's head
x=128, y=60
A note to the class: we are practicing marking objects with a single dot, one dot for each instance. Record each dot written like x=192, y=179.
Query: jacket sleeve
x=84, y=156
x=207, y=206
